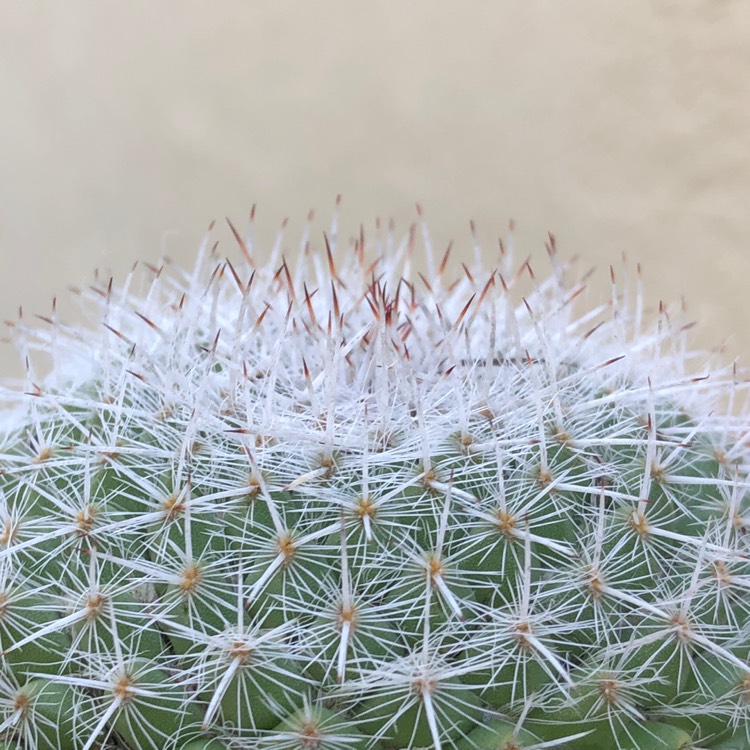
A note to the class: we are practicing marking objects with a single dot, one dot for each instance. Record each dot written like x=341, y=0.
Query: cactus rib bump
x=343, y=505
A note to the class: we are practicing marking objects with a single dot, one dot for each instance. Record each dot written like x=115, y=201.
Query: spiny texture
x=345, y=506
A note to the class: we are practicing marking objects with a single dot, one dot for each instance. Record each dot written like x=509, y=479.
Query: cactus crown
x=346, y=505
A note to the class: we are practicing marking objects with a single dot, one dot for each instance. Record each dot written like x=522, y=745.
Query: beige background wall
x=621, y=126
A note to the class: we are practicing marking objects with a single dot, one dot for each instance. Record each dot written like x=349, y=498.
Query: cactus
x=347, y=506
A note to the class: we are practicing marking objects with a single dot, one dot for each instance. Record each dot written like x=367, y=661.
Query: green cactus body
x=346, y=507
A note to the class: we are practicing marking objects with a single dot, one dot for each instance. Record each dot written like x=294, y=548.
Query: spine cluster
x=346, y=505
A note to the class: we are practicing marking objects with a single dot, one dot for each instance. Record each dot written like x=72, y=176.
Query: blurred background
x=621, y=127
